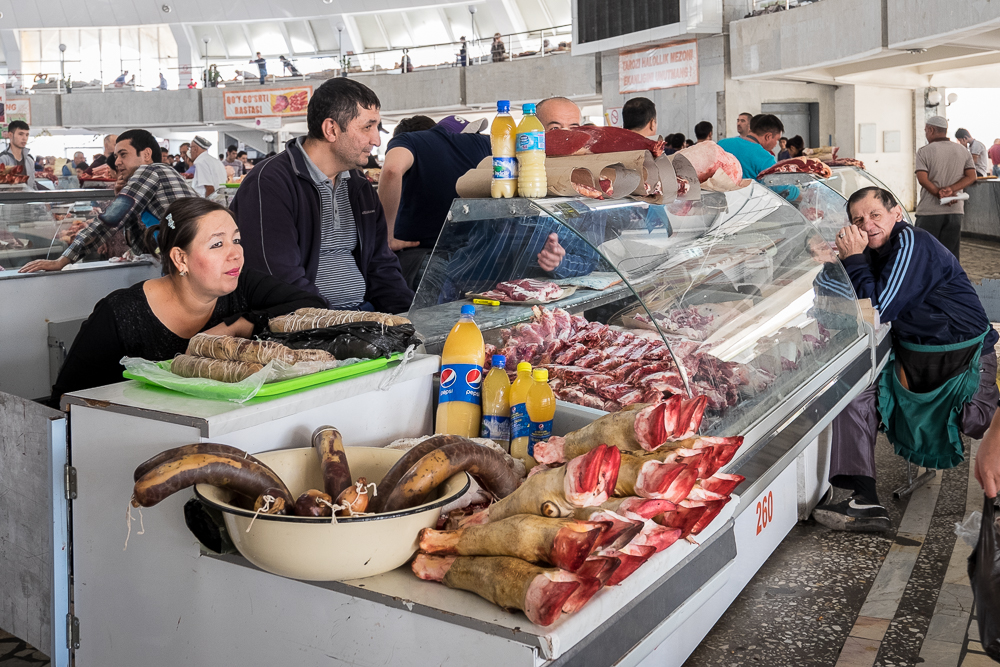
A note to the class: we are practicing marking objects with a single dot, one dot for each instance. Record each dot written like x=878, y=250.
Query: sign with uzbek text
x=659, y=67
x=17, y=109
x=267, y=102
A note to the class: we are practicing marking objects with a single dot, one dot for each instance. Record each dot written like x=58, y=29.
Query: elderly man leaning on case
x=940, y=380
x=944, y=169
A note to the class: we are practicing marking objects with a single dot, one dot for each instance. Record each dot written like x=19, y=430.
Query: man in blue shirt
x=417, y=184
x=754, y=150
x=261, y=64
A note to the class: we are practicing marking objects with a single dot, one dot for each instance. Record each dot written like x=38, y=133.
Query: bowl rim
x=249, y=514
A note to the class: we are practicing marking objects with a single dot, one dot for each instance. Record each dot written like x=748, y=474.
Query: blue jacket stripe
x=899, y=270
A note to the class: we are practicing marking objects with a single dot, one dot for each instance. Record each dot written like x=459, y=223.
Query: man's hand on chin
x=851, y=241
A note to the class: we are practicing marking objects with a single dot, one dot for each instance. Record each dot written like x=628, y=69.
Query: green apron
x=925, y=428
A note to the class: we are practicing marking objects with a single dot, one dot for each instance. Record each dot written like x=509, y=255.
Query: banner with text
x=659, y=67
x=15, y=109
x=258, y=103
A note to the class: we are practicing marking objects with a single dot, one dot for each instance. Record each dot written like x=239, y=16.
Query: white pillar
x=188, y=56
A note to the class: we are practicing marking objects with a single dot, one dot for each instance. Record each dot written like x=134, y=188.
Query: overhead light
x=952, y=98
x=165, y=9
x=327, y=2
x=933, y=98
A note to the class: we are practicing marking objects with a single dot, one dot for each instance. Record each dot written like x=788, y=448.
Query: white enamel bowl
x=316, y=549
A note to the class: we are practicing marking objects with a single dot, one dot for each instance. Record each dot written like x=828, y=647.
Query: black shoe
x=853, y=514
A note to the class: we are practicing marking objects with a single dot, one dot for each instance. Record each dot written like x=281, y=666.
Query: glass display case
x=735, y=297
x=41, y=225
x=823, y=201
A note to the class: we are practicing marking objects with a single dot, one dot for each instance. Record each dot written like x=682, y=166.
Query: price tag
x=765, y=511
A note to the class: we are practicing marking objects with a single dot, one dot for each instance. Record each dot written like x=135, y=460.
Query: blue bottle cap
x=468, y=310
x=503, y=106
x=499, y=361
x=528, y=107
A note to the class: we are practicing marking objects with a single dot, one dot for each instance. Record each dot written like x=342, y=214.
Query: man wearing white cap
x=943, y=169
x=209, y=173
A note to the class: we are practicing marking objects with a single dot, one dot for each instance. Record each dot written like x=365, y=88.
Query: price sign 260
x=765, y=511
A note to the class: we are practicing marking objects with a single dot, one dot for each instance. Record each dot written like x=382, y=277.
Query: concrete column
x=844, y=121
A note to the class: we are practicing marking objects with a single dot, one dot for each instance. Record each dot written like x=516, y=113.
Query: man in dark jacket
x=941, y=377
x=308, y=215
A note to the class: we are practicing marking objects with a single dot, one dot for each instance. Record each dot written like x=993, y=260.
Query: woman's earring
x=183, y=273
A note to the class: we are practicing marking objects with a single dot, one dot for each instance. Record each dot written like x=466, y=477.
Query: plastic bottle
x=541, y=406
x=531, y=180
x=520, y=425
x=502, y=138
x=496, y=403
x=460, y=397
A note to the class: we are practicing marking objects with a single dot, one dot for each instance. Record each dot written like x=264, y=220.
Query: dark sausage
x=248, y=478
x=489, y=467
x=196, y=448
x=401, y=466
x=329, y=447
x=308, y=504
x=356, y=501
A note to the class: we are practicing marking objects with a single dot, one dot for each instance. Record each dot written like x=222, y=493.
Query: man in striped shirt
x=309, y=216
x=919, y=286
x=151, y=188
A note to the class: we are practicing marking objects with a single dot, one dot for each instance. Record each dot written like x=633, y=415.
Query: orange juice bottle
x=541, y=406
x=531, y=179
x=460, y=394
x=502, y=138
x=520, y=425
x=496, y=403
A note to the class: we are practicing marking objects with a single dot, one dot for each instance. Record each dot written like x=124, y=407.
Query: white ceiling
x=297, y=27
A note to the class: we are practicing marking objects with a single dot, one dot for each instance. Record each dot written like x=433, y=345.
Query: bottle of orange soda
x=541, y=406
x=496, y=403
x=502, y=140
x=520, y=424
x=460, y=395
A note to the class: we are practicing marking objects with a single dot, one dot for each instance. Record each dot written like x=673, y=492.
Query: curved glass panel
x=746, y=293
x=40, y=225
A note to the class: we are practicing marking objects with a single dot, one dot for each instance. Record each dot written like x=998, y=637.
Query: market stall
x=51, y=306
x=722, y=291
x=982, y=210
x=823, y=201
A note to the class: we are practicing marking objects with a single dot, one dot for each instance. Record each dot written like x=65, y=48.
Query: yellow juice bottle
x=502, y=139
x=496, y=403
x=531, y=179
x=520, y=425
x=541, y=405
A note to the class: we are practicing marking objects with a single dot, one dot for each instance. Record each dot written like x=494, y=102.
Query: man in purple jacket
x=308, y=215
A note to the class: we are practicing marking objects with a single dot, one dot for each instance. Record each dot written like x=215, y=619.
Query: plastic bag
x=238, y=392
x=366, y=340
x=968, y=530
x=984, y=574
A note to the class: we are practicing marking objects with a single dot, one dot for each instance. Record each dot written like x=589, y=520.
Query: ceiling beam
x=409, y=28
x=222, y=40
x=288, y=40
x=312, y=36
x=896, y=59
x=246, y=36
x=381, y=28
x=514, y=14
x=545, y=12
x=446, y=22
x=353, y=33
x=961, y=63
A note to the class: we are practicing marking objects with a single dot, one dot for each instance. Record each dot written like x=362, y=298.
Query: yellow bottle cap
x=524, y=366
x=540, y=375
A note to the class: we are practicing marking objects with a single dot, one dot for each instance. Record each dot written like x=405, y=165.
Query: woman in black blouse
x=203, y=289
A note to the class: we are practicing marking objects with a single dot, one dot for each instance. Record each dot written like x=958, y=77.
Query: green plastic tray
x=299, y=383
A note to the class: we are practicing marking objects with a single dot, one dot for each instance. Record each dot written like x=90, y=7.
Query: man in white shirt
x=209, y=173
x=978, y=149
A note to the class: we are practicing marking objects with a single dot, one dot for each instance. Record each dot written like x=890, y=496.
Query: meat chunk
x=591, y=139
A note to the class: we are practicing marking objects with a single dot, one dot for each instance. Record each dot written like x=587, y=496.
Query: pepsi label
x=461, y=382
x=540, y=432
x=520, y=424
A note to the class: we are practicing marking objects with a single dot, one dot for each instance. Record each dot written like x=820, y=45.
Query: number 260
x=765, y=511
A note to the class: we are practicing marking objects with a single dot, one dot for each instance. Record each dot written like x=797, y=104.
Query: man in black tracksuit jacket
x=293, y=214
x=919, y=286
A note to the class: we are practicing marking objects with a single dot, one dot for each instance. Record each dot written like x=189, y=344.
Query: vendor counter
x=166, y=600
x=982, y=210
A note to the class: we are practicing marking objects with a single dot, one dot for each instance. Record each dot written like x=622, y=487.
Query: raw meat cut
x=707, y=158
x=525, y=289
x=845, y=162
x=799, y=165
x=593, y=140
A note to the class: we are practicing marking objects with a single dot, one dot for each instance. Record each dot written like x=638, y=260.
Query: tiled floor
x=840, y=599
